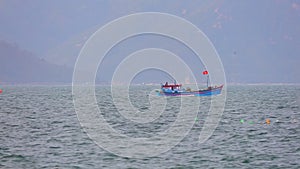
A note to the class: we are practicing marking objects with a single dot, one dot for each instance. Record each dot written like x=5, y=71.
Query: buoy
x=0, y=91
x=242, y=121
x=268, y=121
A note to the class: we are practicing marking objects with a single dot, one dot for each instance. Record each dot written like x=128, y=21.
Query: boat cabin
x=171, y=87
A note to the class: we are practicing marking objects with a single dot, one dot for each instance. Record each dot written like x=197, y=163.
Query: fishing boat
x=177, y=90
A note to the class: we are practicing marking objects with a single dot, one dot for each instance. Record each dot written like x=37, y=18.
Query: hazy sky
x=257, y=40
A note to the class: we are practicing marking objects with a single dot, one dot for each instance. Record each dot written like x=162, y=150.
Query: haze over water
x=253, y=47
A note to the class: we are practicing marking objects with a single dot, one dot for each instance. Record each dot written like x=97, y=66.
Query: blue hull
x=209, y=93
x=175, y=94
x=206, y=92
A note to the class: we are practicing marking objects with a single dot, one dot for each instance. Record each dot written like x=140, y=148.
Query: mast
x=207, y=81
x=205, y=72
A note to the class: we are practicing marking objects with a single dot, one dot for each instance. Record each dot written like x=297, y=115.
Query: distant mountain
x=21, y=66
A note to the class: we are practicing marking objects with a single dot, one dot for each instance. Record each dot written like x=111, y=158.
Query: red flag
x=205, y=72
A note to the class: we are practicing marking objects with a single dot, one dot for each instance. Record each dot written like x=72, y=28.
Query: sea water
x=39, y=129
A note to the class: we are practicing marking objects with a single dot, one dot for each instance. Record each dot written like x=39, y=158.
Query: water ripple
x=39, y=129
